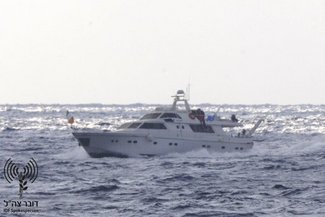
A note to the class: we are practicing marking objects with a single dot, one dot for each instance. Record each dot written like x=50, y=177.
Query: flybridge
x=180, y=97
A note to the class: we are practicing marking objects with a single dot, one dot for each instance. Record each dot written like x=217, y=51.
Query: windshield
x=134, y=125
x=123, y=126
x=170, y=115
x=151, y=116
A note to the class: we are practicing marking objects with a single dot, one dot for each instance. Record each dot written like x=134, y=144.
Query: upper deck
x=177, y=118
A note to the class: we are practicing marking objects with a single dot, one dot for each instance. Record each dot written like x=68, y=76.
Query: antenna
x=187, y=94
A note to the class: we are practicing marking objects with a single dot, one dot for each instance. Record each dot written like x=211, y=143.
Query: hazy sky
x=244, y=51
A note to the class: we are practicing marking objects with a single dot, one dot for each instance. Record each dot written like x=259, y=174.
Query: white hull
x=168, y=130
x=135, y=145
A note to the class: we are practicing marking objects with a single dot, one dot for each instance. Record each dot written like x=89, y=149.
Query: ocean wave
x=176, y=178
x=280, y=187
x=9, y=129
x=95, y=189
x=218, y=213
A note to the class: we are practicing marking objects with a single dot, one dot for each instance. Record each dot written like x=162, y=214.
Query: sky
x=136, y=51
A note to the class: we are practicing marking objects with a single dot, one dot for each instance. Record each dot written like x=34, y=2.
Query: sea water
x=284, y=175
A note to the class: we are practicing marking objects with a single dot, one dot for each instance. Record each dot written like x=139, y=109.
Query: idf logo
x=27, y=174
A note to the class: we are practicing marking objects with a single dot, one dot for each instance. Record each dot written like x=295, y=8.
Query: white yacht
x=168, y=130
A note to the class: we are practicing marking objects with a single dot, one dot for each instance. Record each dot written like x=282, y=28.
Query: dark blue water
x=282, y=176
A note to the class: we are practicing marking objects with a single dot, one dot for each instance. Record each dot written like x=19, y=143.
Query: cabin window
x=151, y=116
x=199, y=128
x=170, y=115
x=134, y=125
x=154, y=126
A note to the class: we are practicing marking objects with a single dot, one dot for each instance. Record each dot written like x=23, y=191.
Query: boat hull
x=114, y=144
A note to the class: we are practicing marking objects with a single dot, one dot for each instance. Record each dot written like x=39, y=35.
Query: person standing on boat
x=201, y=117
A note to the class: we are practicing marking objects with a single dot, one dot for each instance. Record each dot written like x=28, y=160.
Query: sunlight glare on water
x=282, y=176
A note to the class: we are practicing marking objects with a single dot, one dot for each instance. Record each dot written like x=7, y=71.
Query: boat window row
x=155, y=126
x=196, y=128
x=200, y=128
x=160, y=115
